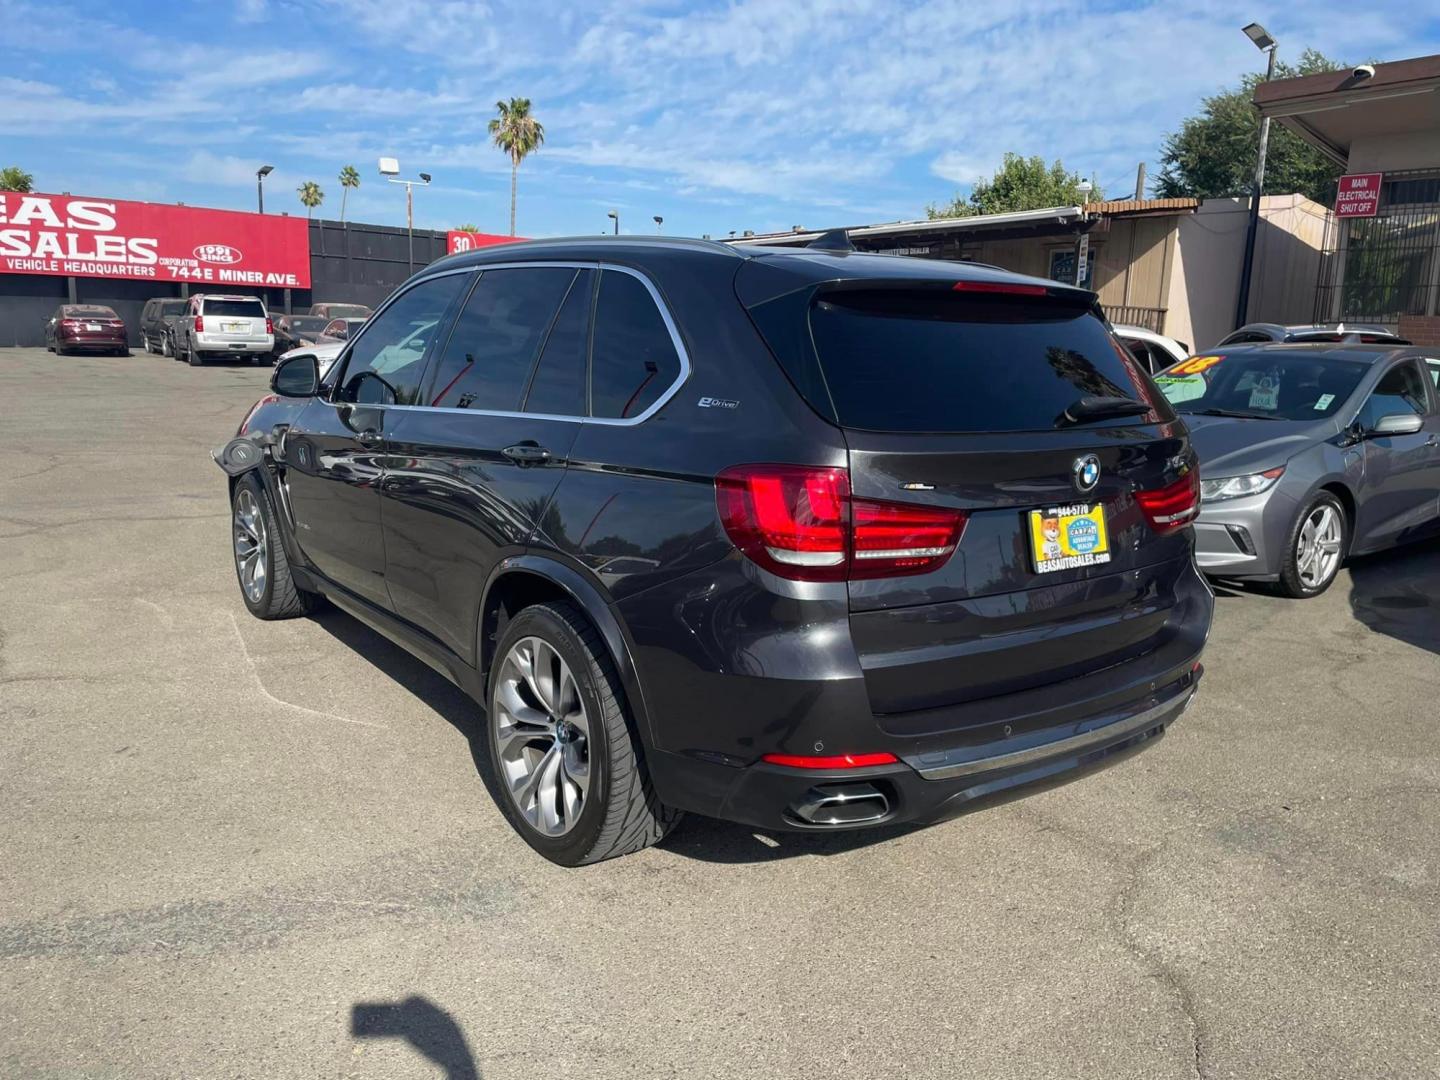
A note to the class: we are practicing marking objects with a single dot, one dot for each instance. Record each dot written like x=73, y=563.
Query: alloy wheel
x=542, y=736
x=1317, y=552
x=252, y=553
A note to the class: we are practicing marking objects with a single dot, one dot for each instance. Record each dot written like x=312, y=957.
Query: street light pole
x=616, y=215
x=1256, y=33
x=390, y=169
x=659, y=221
x=260, y=174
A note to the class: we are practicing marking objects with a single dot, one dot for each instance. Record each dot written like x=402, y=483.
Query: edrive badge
x=1086, y=473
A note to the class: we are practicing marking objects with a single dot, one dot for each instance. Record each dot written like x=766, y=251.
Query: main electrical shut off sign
x=84, y=237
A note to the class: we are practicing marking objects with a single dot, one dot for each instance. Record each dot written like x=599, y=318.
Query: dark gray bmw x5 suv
x=803, y=539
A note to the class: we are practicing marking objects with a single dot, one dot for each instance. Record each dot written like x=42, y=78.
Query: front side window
x=387, y=361
x=633, y=359
x=497, y=337
x=1400, y=390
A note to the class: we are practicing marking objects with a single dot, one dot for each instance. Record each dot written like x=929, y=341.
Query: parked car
x=223, y=326
x=340, y=329
x=341, y=311
x=1310, y=453
x=1333, y=333
x=153, y=318
x=294, y=331
x=86, y=328
x=1155, y=351
x=729, y=531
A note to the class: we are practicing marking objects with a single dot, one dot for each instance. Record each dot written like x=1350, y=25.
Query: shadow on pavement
x=424, y=1025
x=1397, y=593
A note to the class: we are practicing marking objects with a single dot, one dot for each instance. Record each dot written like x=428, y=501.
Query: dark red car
x=86, y=327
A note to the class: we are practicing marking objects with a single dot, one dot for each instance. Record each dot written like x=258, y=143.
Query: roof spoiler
x=832, y=240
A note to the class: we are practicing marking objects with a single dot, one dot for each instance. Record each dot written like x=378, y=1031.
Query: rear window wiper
x=1091, y=407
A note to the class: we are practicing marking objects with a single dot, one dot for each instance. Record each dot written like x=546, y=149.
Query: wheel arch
x=522, y=580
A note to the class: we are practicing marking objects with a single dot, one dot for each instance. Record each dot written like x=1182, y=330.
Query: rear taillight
x=70, y=324
x=199, y=324
x=269, y=325
x=1170, y=508
x=802, y=523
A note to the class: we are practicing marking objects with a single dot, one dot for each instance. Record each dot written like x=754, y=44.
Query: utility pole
x=1140, y=182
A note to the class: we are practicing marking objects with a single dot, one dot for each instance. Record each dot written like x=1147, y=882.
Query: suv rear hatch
x=953, y=397
x=235, y=320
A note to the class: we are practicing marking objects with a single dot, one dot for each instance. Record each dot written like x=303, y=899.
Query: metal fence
x=1151, y=318
x=1379, y=268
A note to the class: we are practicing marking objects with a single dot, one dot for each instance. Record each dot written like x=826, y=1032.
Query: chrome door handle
x=527, y=453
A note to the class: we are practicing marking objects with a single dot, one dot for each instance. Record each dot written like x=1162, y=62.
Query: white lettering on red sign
x=1358, y=195
x=58, y=235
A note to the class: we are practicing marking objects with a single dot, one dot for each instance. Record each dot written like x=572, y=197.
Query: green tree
x=349, y=178
x=1020, y=183
x=310, y=196
x=469, y=228
x=14, y=178
x=519, y=134
x=1213, y=154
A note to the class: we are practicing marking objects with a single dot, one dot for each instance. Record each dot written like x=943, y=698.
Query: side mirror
x=1396, y=424
x=297, y=376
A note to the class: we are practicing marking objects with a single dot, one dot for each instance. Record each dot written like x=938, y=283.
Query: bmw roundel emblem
x=1086, y=472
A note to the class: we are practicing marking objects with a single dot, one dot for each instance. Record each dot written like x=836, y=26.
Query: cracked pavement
x=243, y=849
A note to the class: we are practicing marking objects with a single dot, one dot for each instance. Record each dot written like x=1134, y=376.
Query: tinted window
x=1243, y=338
x=558, y=385
x=387, y=360
x=88, y=311
x=172, y=307
x=939, y=361
x=1262, y=384
x=252, y=309
x=490, y=353
x=633, y=359
x=1434, y=366
x=1400, y=390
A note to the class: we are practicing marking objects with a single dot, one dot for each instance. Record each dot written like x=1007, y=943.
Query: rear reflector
x=832, y=761
x=999, y=287
x=1170, y=508
x=802, y=523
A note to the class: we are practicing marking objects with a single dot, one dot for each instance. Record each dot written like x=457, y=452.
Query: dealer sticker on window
x=1065, y=537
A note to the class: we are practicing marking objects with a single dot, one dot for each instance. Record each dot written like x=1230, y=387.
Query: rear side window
x=633, y=359
x=939, y=361
x=172, y=307
x=497, y=337
x=252, y=309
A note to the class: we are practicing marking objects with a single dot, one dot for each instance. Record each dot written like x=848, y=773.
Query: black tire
x=280, y=597
x=620, y=813
x=1291, y=583
x=194, y=357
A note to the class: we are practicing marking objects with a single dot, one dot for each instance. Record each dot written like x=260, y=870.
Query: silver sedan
x=1308, y=454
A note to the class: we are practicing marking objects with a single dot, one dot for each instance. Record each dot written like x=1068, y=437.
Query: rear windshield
x=250, y=308
x=89, y=311
x=938, y=361
x=173, y=307
x=347, y=311
x=309, y=322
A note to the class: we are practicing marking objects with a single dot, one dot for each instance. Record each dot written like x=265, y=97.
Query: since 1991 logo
x=218, y=254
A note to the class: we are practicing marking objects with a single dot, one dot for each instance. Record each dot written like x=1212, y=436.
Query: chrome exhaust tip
x=855, y=803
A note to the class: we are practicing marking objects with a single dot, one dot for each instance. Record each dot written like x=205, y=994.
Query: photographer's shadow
x=424, y=1025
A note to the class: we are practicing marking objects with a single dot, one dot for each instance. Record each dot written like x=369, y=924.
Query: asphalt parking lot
x=240, y=849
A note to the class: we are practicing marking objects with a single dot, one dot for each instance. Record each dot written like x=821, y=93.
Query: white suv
x=234, y=325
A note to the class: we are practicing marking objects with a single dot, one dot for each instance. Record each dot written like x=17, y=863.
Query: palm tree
x=349, y=178
x=14, y=178
x=467, y=227
x=517, y=133
x=310, y=196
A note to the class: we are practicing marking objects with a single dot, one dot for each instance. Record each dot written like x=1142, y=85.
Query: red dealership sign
x=57, y=234
x=459, y=240
x=1358, y=195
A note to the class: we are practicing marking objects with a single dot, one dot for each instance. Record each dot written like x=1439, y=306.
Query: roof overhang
x=1332, y=109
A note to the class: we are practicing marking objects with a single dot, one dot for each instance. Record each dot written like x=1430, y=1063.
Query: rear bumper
x=117, y=340
x=216, y=344
x=923, y=788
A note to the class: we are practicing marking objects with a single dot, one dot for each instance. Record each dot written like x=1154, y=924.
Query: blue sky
x=734, y=114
